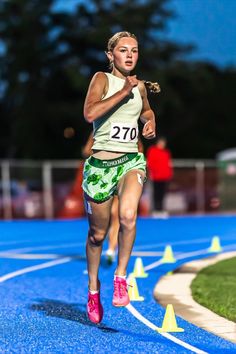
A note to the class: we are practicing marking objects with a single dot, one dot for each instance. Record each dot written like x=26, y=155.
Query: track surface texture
x=43, y=288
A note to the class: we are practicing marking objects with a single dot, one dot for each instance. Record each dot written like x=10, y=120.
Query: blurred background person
x=160, y=172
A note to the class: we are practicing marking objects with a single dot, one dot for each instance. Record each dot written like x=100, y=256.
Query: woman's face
x=125, y=55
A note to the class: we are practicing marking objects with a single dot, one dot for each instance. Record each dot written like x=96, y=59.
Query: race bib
x=123, y=132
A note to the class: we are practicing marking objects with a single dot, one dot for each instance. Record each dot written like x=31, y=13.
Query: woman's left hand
x=149, y=130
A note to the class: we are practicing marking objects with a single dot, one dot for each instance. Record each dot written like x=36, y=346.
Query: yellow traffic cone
x=169, y=323
x=215, y=245
x=168, y=256
x=138, y=271
x=133, y=289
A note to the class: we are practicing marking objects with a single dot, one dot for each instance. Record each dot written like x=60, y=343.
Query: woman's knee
x=128, y=218
x=96, y=237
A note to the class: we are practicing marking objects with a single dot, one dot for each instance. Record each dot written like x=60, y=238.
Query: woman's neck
x=119, y=73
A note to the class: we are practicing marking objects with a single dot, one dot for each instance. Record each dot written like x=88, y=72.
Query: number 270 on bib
x=123, y=132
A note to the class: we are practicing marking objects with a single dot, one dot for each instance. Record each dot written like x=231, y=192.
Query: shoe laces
x=93, y=304
x=120, y=288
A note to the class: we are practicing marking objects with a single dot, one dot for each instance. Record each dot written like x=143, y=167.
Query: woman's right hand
x=130, y=83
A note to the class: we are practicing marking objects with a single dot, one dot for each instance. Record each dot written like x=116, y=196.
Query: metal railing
x=28, y=185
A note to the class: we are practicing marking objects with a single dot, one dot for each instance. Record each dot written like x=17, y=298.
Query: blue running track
x=43, y=288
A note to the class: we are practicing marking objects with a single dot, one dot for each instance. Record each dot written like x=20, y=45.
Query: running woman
x=114, y=103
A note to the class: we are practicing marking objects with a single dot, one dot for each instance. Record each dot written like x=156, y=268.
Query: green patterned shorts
x=100, y=177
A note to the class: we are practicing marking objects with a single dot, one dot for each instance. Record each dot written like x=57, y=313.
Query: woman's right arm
x=94, y=106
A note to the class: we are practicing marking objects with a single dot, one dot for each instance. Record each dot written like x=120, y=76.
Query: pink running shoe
x=120, y=295
x=94, y=308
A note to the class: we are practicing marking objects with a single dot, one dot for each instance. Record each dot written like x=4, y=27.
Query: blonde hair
x=112, y=42
x=153, y=87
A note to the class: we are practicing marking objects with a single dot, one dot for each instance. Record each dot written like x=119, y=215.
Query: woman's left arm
x=147, y=116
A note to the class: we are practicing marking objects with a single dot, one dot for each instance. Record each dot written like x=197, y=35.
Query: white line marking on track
x=136, y=314
x=34, y=268
x=149, y=324
x=229, y=247
x=184, y=344
x=182, y=256
x=146, y=254
x=129, y=307
x=185, y=242
x=30, y=249
x=30, y=256
x=163, y=244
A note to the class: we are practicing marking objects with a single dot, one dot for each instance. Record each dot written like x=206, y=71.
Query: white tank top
x=117, y=130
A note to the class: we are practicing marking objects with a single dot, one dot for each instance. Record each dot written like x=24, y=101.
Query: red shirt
x=159, y=164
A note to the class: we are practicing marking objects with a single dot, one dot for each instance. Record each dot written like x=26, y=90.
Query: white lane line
x=141, y=318
x=182, y=256
x=30, y=256
x=39, y=248
x=163, y=244
x=229, y=247
x=146, y=254
x=185, y=242
x=183, y=344
x=189, y=254
x=149, y=324
x=34, y=268
x=129, y=307
x=33, y=256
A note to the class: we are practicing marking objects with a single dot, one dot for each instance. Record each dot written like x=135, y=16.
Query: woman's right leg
x=98, y=217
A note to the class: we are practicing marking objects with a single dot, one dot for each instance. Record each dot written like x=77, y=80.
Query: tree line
x=47, y=58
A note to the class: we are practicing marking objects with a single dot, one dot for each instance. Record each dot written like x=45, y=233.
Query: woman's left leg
x=129, y=193
x=113, y=230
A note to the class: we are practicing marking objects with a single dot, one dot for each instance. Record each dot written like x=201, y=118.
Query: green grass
x=215, y=288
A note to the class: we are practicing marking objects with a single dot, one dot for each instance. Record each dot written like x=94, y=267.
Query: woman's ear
x=109, y=56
